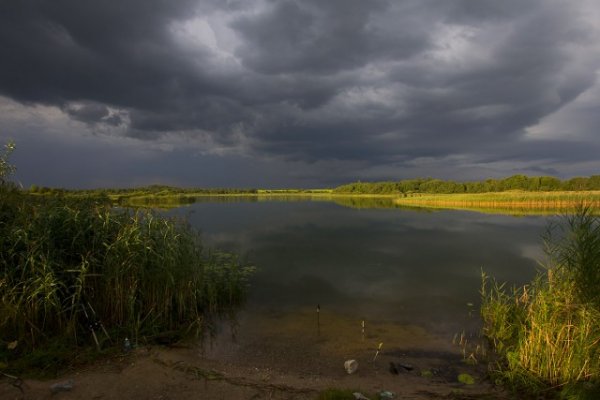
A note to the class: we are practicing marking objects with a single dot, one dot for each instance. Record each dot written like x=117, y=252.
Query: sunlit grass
x=509, y=196
x=514, y=200
x=547, y=333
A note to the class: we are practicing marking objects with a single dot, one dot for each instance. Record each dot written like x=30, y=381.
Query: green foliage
x=6, y=169
x=546, y=334
x=158, y=191
x=575, y=247
x=154, y=196
x=142, y=274
x=429, y=185
x=466, y=379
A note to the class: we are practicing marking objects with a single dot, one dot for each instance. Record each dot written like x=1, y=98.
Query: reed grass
x=547, y=334
x=517, y=200
x=66, y=262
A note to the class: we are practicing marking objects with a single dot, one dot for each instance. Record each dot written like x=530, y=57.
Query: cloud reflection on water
x=385, y=264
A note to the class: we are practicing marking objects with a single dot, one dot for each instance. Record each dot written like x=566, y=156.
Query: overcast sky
x=306, y=93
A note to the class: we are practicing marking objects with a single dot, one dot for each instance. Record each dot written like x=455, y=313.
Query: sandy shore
x=276, y=357
x=162, y=374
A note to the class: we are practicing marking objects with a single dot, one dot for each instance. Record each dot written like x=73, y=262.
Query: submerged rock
x=406, y=367
x=64, y=386
x=386, y=395
x=351, y=366
x=396, y=368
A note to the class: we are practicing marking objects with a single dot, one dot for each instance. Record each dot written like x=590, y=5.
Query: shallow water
x=380, y=265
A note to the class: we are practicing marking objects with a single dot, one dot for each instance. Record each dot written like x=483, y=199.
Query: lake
x=396, y=266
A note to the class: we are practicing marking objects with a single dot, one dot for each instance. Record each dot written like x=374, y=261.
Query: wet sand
x=278, y=356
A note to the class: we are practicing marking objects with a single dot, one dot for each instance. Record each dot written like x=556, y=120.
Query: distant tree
x=549, y=183
x=430, y=185
x=577, y=183
x=534, y=183
x=516, y=182
x=594, y=182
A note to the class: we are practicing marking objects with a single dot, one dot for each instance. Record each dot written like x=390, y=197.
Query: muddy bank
x=277, y=357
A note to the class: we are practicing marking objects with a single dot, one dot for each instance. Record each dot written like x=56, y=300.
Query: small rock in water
x=62, y=386
x=386, y=395
x=360, y=396
x=351, y=366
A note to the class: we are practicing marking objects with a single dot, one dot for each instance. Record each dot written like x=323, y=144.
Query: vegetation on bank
x=405, y=187
x=156, y=190
x=516, y=194
x=515, y=182
x=160, y=196
x=163, y=191
x=547, y=334
x=518, y=200
x=76, y=272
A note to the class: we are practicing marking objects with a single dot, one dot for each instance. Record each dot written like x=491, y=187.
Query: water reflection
x=357, y=202
x=377, y=264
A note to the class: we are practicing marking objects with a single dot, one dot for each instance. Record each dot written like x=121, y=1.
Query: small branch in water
x=318, y=320
x=362, y=324
x=377, y=352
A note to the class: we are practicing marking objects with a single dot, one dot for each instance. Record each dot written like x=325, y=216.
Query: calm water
x=397, y=266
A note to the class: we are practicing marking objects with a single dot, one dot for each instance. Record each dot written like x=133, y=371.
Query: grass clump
x=547, y=333
x=466, y=379
x=337, y=394
x=69, y=264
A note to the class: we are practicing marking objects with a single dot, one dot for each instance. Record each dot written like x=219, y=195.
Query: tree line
x=515, y=182
x=158, y=190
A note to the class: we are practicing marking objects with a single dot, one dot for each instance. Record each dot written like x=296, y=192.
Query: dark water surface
x=388, y=265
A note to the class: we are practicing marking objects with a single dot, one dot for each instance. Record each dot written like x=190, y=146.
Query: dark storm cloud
x=376, y=82
x=325, y=36
x=119, y=53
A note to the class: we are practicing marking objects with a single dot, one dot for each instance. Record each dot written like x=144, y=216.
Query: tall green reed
x=575, y=247
x=140, y=273
x=547, y=334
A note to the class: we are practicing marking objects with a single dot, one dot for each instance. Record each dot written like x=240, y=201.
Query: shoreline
x=277, y=357
x=183, y=373
x=515, y=203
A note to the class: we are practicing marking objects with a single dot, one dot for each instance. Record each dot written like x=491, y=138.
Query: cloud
x=375, y=85
x=577, y=121
x=325, y=37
